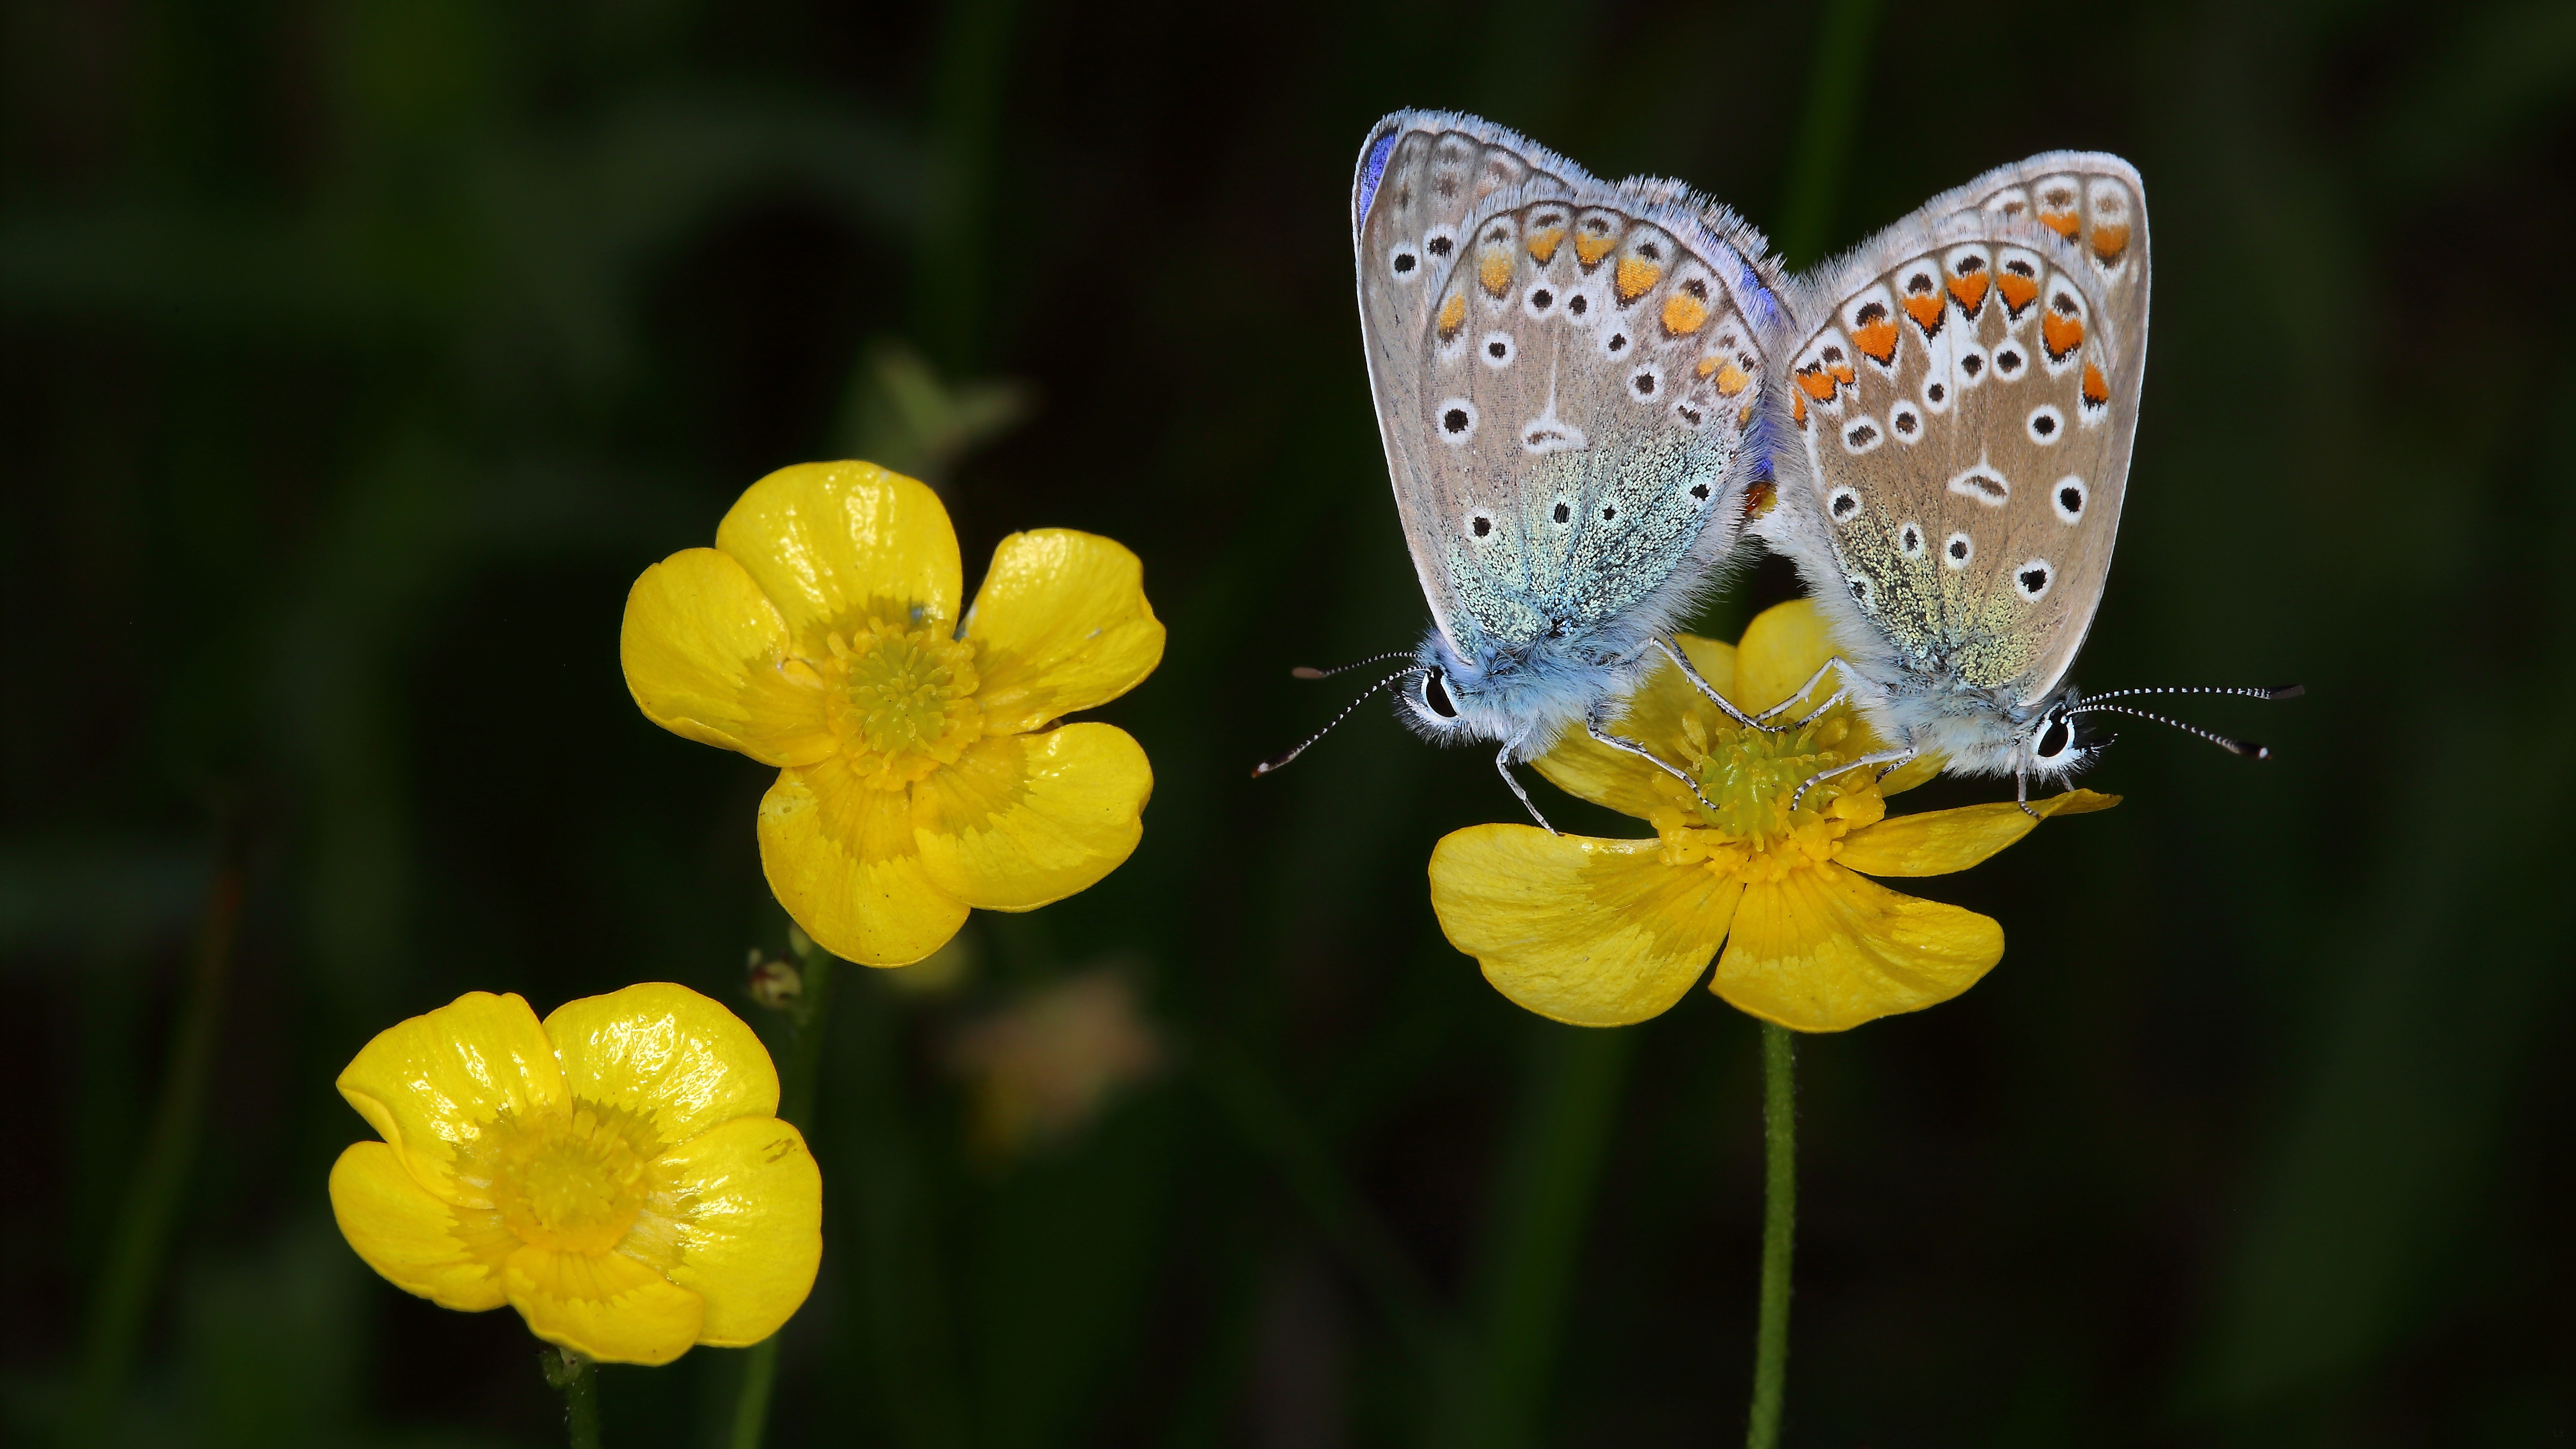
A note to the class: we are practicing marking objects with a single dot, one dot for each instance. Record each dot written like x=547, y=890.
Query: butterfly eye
x=1435, y=695
x=2054, y=739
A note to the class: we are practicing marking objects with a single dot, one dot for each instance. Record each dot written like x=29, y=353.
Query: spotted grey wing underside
x=1567, y=374
x=1964, y=397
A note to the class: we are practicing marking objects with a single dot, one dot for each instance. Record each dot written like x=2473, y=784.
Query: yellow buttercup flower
x=616, y=1172
x=921, y=768
x=1607, y=932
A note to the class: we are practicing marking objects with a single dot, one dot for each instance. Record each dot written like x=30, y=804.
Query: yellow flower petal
x=842, y=859
x=666, y=1054
x=1061, y=624
x=1023, y=820
x=432, y=1085
x=1938, y=842
x=829, y=542
x=1781, y=649
x=1824, y=950
x=606, y=1305
x=751, y=1229
x=1652, y=717
x=449, y=1255
x=1591, y=932
x=702, y=647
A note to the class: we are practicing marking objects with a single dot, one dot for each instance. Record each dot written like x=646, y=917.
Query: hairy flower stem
x=1779, y=1231
x=796, y=1104
x=579, y=1380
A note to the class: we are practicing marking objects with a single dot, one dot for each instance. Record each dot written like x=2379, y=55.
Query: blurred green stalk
x=143, y=1224
x=579, y=1380
x=796, y=1104
x=1779, y=1231
x=1843, y=38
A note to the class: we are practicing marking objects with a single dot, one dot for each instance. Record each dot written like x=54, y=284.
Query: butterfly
x=1964, y=395
x=1569, y=384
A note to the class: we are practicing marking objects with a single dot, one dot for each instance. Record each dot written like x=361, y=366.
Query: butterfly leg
x=1650, y=757
x=1811, y=716
x=2021, y=792
x=1706, y=688
x=1503, y=762
x=1889, y=758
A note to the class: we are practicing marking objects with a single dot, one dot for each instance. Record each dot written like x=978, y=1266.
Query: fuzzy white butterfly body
x=1569, y=378
x=1965, y=390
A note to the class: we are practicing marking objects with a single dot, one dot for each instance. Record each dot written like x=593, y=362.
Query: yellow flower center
x=1750, y=776
x=572, y=1181
x=901, y=701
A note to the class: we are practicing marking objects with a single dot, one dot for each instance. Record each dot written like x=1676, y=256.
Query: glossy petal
x=1591, y=932
x=1823, y=949
x=702, y=646
x=831, y=542
x=1061, y=624
x=1022, y=820
x=1653, y=717
x=432, y=1085
x=748, y=1229
x=843, y=860
x=1782, y=649
x=449, y=1255
x=1938, y=842
x=665, y=1053
x=606, y=1305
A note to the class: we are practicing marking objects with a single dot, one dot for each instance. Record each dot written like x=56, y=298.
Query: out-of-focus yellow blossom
x=1607, y=932
x=615, y=1172
x=1040, y=1069
x=922, y=770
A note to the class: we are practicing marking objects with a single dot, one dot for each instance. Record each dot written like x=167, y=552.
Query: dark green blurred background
x=354, y=358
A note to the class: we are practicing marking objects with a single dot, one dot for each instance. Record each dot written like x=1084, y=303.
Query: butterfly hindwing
x=1566, y=374
x=1964, y=397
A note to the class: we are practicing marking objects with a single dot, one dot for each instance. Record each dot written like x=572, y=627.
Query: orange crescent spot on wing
x=1453, y=315
x=1634, y=277
x=1731, y=380
x=1684, y=314
x=2062, y=334
x=1495, y=271
x=2018, y=290
x=2096, y=391
x=1926, y=309
x=1842, y=373
x=1543, y=244
x=1589, y=250
x=2061, y=222
x=2109, y=240
x=1816, y=383
x=1798, y=408
x=1706, y=365
x=1970, y=290
x=1878, y=339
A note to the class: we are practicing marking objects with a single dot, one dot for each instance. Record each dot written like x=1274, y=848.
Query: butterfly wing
x=1566, y=374
x=1964, y=396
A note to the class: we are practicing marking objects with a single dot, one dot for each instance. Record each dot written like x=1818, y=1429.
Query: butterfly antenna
x=1308, y=671
x=1282, y=762
x=2246, y=691
x=2234, y=747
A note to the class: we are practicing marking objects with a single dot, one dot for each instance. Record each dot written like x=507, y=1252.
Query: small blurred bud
x=1041, y=1069
x=777, y=985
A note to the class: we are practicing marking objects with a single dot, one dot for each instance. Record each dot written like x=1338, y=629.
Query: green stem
x=1779, y=1230
x=579, y=1381
x=796, y=1104
x=1843, y=36
x=143, y=1223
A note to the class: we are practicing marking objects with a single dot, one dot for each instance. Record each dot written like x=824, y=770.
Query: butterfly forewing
x=1565, y=372
x=1964, y=398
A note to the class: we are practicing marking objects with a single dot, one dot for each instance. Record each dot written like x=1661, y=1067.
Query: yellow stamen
x=901, y=701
